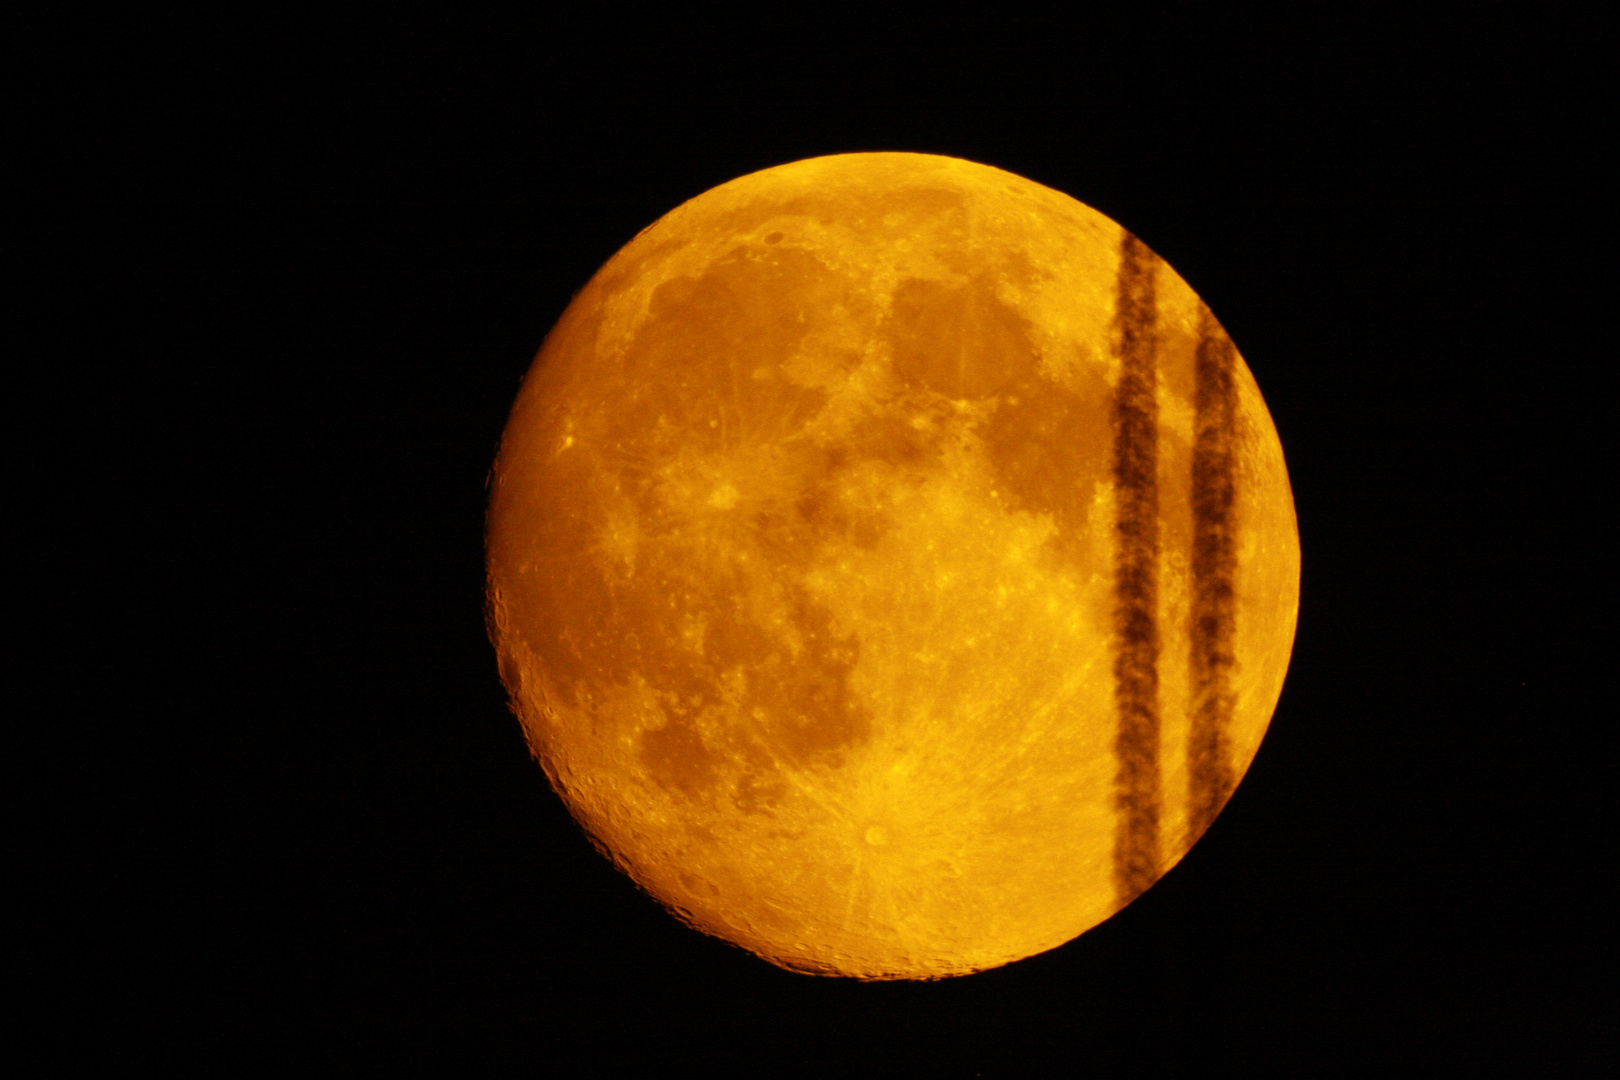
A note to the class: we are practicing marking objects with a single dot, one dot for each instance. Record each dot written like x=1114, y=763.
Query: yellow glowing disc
x=892, y=564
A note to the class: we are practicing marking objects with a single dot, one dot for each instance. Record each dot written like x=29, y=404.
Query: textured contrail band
x=1136, y=531
x=1214, y=563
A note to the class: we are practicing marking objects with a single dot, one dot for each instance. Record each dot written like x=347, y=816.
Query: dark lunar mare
x=1136, y=530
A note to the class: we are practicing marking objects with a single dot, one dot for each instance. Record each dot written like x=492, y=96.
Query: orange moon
x=892, y=564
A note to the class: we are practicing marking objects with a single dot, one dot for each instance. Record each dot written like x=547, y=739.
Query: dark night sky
x=272, y=284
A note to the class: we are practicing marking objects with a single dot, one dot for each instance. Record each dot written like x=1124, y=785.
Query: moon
x=892, y=564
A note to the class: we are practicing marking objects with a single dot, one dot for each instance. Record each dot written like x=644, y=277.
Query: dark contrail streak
x=1214, y=608
x=1136, y=531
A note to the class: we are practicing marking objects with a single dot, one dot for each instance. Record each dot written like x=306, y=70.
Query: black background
x=271, y=284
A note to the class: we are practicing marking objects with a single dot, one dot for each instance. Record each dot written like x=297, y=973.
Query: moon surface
x=892, y=564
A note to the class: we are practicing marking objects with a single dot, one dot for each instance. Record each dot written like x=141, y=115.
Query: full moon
x=892, y=564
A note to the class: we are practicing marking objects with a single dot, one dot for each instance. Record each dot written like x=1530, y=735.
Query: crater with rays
x=892, y=564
